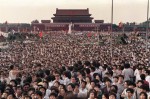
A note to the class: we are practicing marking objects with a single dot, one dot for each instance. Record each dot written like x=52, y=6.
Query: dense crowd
x=61, y=66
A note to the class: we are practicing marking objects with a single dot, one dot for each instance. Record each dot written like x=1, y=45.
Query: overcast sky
x=24, y=11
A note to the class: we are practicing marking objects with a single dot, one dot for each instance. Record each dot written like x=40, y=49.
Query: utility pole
x=111, y=33
x=147, y=27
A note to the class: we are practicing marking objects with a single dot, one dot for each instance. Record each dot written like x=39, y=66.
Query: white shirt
x=148, y=79
x=52, y=83
x=124, y=92
x=11, y=76
x=127, y=73
x=148, y=95
x=47, y=94
x=66, y=81
x=82, y=92
x=137, y=75
x=88, y=86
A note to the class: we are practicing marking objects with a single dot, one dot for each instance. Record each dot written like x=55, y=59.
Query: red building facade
x=80, y=18
x=72, y=15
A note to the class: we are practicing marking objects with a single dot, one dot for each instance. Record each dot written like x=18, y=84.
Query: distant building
x=80, y=18
x=45, y=21
x=72, y=15
x=99, y=21
x=18, y=27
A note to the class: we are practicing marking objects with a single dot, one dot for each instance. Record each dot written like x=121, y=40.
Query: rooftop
x=72, y=12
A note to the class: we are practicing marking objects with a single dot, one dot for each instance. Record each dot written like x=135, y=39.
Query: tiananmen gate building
x=74, y=16
x=80, y=18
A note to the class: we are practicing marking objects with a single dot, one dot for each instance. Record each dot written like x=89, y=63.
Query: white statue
x=69, y=31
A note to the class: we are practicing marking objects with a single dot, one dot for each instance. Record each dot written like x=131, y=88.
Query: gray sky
x=16, y=11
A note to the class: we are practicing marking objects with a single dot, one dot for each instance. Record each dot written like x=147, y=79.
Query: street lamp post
x=147, y=26
x=111, y=46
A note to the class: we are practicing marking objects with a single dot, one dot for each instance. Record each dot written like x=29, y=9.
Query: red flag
x=40, y=34
x=89, y=34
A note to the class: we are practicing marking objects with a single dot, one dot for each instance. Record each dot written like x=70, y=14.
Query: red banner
x=40, y=34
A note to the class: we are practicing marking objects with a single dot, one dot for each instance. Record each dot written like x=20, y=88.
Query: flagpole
x=147, y=27
x=111, y=29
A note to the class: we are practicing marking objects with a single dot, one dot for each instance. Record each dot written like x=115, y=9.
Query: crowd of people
x=62, y=66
